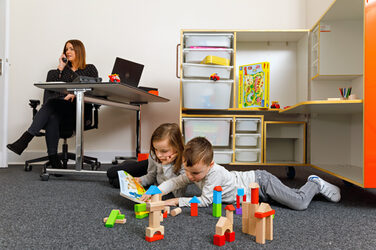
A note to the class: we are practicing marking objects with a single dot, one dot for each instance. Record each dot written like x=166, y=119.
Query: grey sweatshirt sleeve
x=173, y=184
x=151, y=177
x=214, y=178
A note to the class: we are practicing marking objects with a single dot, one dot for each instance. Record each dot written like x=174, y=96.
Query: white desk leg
x=79, y=128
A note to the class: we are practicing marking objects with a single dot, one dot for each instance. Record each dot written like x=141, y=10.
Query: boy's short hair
x=196, y=150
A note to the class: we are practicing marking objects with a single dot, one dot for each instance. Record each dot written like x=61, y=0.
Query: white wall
x=143, y=31
x=315, y=9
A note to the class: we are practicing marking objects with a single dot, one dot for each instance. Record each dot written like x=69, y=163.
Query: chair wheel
x=44, y=176
x=290, y=172
x=95, y=165
x=28, y=167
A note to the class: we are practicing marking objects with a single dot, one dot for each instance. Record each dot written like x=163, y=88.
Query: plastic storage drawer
x=197, y=55
x=208, y=40
x=206, y=94
x=247, y=155
x=204, y=71
x=223, y=156
x=216, y=130
x=247, y=125
x=247, y=140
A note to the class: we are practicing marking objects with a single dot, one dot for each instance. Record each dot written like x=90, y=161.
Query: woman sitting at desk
x=57, y=107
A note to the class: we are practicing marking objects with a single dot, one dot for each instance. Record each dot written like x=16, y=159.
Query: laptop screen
x=129, y=72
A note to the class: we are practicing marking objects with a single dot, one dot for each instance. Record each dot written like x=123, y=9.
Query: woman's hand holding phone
x=62, y=62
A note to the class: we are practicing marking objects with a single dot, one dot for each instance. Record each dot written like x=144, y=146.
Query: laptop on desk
x=129, y=72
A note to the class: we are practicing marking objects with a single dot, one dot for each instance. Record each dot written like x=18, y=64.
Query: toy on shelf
x=214, y=77
x=176, y=211
x=217, y=201
x=114, y=78
x=240, y=193
x=257, y=220
x=194, y=204
x=154, y=231
x=115, y=217
x=254, y=85
x=275, y=105
x=216, y=60
x=140, y=211
x=224, y=229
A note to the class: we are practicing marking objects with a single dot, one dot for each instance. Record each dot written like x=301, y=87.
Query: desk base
x=45, y=175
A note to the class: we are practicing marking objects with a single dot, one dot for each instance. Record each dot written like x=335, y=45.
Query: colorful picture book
x=254, y=85
x=129, y=187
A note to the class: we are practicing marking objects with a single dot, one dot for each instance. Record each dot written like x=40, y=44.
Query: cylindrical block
x=176, y=211
x=255, y=196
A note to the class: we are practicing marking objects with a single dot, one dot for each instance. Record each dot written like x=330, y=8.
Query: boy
x=201, y=170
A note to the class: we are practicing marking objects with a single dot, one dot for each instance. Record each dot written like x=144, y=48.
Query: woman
x=57, y=107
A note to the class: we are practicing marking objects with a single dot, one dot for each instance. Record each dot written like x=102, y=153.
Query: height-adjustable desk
x=104, y=93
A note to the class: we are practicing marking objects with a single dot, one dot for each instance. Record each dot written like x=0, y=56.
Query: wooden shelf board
x=326, y=107
x=350, y=173
x=336, y=77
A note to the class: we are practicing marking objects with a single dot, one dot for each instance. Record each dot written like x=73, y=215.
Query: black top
x=67, y=75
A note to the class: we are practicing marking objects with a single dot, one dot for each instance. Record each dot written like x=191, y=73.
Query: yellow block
x=216, y=60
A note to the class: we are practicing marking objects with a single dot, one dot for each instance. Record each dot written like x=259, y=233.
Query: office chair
x=67, y=131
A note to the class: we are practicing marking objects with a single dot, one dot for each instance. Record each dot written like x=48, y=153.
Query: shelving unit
x=306, y=68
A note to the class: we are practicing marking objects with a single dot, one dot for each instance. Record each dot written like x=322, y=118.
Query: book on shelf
x=130, y=188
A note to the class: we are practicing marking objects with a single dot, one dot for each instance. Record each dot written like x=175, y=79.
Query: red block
x=157, y=236
x=219, y=240
x=237, y=201
x=165, y=215
x=230, y=237
x=244, y=198
x=194, y=210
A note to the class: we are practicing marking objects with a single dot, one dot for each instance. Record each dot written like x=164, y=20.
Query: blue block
x=240, y=191
x=217, y=197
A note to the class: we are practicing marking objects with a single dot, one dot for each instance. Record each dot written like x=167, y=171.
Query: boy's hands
x=172, y=202
x=145, y=197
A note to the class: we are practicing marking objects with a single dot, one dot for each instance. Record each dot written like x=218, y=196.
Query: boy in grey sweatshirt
x=202, y=171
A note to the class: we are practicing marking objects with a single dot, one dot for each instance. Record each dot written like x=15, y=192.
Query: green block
x=120, y=217
x=140, y=207
x=112, y=218
x=141, y=216
x=217, y=210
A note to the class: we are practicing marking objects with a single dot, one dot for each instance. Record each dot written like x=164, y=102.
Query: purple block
x=238, y=210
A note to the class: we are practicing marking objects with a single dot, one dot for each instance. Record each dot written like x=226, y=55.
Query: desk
x=111, y=94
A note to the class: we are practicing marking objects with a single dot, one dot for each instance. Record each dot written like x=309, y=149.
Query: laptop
x=129, y=72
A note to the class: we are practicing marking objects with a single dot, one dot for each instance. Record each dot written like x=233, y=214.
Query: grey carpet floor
x=67, y=213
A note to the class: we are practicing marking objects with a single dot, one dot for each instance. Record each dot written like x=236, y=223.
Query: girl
x=57, y=107
x=165, y=159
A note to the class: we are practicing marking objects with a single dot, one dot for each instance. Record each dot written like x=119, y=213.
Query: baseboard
x=103, y=157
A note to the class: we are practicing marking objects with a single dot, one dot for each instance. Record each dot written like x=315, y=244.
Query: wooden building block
x=219, y=240
x=155, y=206
x=222, y=226
x=176, y=211
x=112, y=218
x=140, y=207
x=194, y=209
x=155, y=219
x=117, y=221
x=230, y=237
x=269, y=228
x=151, y=231
x=167, y=208
x=217, y=210
x=260, y=231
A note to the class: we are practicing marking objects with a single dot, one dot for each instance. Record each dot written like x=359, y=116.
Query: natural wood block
x=260, y=231
x=176, y=211
x=155, y=219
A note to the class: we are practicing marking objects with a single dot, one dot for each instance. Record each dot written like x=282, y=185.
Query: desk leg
x=138, y=133
x=79, y=128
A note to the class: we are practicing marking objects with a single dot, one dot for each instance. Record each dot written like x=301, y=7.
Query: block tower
x=257, y=219
x=194, y=204
x=154, y=231
x=224, y=229
x=217, y=201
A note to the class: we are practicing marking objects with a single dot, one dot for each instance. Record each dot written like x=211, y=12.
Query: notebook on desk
x=129, y=72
